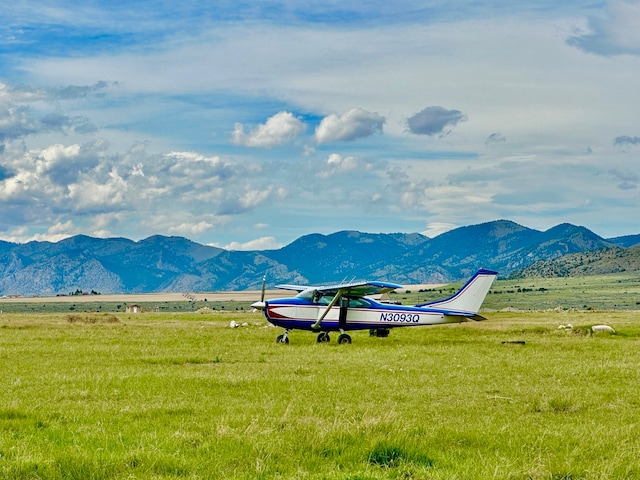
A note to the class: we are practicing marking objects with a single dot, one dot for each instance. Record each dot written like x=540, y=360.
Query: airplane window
x=358, y=303
x=353, y=302
x=324, y=300
x=306, y=294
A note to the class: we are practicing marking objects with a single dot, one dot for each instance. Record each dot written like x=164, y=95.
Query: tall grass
x=160, y=396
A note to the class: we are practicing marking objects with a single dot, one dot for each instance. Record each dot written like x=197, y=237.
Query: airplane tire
x=323, y=337
x=344, y=338
x=282, y=339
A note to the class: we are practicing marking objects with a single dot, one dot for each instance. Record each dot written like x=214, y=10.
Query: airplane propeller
x=260, y=305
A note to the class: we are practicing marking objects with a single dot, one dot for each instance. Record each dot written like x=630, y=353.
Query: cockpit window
x=353, y=302
x=324, y=300
x=358, y=303
x=319, y=299
x=308, y=294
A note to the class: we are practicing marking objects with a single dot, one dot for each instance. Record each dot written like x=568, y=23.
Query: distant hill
x=176, y=264
x=596, y=262
x=626, y=241
x=111, y=265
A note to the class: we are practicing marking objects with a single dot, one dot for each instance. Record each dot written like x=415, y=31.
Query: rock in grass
x=602, y=328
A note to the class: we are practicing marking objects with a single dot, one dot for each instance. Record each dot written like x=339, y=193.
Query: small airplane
x=349, y=306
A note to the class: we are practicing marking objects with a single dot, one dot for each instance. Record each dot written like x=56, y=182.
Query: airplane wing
x=297, y=288
x=354, y=289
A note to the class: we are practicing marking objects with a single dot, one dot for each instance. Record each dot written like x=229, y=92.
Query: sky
x=245, y=124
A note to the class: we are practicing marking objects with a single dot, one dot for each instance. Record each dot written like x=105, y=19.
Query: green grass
x=173, y=396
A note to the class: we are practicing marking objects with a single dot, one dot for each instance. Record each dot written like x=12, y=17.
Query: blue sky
x=249, y=124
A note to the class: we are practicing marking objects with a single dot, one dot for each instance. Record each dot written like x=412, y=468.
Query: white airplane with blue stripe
x=349, y=306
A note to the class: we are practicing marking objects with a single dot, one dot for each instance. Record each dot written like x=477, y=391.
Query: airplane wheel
x=344, y=338
x=282, y=339
x=323, y=337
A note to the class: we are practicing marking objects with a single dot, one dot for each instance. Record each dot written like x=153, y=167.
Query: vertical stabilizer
x=470, y=297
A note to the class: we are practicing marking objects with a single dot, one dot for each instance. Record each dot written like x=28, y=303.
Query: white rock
x=602, y=328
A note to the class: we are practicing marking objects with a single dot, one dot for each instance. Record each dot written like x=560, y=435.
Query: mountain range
x=176, y=264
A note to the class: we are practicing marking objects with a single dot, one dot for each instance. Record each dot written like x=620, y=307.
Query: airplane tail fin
x=470, y=297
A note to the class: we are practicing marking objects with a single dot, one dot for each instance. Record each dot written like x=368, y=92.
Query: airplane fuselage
x=357, y=314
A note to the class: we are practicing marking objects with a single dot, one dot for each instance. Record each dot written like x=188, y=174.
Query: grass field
x=182, y=395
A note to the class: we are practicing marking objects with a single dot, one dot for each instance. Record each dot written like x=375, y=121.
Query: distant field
x=610, y=292
x=183, y=396
x=158, y=302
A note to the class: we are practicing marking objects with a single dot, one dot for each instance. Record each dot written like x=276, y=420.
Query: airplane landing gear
x=323, y=337
x=344, y=339
x=284, y=338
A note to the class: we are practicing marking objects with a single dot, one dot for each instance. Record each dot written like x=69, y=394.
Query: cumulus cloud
x=62, y=165
x=434, y=120
x=616, y=32
x=91, y=182
x=259, y=244
x=279, y=129
x=249, y=200
x=337, y=164
x=23, y=111
x=190, y=228
x=626, y=140
x=16, y=122
x=437, y=228
x=351, y=125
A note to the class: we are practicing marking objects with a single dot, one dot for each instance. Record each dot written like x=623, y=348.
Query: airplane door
x=344, y=308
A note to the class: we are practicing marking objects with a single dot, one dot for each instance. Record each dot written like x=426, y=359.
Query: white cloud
x=337, y=164
x=262, y=243
x=279, y=129
x=106, y=191
x=55, y=233
x=249, y=199
x=89, y=195
x=16, y=122
x=616, y=32
x=351, y=125
x=436, y=228
x=187, y=229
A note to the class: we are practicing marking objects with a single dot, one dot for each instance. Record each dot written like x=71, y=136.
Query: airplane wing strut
x=316, y=326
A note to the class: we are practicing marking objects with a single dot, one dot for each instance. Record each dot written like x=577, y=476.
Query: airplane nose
x=258, y=305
